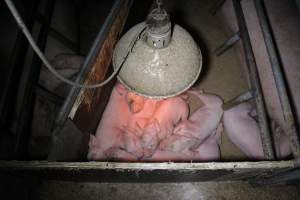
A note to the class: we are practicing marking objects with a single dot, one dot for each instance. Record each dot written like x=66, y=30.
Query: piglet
x=243, y=130
x=207, y=151
x=168, y=114
x=201, y=124
x=122, y=123
x=150, y=139
x=109, y=130
x=131, y=143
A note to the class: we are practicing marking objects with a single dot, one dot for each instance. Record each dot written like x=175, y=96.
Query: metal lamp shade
x=158, y=73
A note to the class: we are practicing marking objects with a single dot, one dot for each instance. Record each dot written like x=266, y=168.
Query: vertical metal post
x=15, y=69
x=25, y=117
x=255, y=83
x=279, y=79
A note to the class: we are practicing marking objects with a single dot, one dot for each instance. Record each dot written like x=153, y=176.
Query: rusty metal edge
x=279, y=79
x=74, y=92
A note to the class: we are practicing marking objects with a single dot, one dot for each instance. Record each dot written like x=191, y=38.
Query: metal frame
x=255, y=83
x=227, y=44
x=16, y=67
x=246, y=96
x=25, y=115
x=32, y=88
x=279, y=79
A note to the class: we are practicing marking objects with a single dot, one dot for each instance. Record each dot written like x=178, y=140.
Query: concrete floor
x=175, y=191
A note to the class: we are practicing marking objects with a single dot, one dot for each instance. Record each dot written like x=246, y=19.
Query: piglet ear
x=137, y=106
x=135, y=102
x=120, y=88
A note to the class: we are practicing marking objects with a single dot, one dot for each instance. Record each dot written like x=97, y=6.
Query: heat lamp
x=164, y=60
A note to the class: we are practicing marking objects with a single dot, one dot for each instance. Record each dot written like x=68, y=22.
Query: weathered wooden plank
x=36, y=165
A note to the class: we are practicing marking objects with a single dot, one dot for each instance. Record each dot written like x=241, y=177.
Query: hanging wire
x=159, y=3
x=37, y=50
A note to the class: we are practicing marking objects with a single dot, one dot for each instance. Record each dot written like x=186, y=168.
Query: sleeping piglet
x=168, y=114
x=200, y=125
x=243, y=130
x=207, y=151
x=110, y=127
x=118, y=128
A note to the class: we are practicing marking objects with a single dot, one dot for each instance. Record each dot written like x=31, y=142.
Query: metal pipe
x=217, y=5
x=255, y=83
x=279, y=79
x=227, y=44
x=246, y=96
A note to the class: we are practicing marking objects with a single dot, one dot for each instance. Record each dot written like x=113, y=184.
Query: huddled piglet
x=135, y=128
x=243, y=130
x=110, y=128
x=168, y=114
x=124, y=121
x=207, y=150
x=191, y=133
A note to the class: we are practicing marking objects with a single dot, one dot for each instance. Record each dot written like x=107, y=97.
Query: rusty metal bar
x=279, y=79
x=255, y=82
x=74, y=92
x=246, y=96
